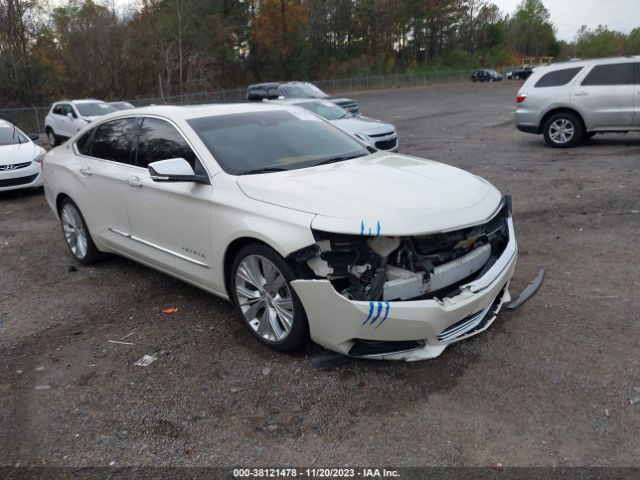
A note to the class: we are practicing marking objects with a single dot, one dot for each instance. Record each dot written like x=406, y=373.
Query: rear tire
x=77, y=235
x=563, y=130
x=260, y=287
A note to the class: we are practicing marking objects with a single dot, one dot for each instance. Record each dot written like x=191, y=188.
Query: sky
x=569, y=15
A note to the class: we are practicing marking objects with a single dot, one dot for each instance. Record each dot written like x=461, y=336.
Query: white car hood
x=19, y=153
x=368, y=126
x=403, y=195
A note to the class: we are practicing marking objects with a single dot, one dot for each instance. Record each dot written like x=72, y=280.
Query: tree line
x=85, y=48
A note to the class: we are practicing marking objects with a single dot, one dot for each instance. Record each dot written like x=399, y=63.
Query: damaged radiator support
x=406, y=268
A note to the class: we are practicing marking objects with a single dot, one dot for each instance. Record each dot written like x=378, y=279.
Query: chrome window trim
x=134, y=116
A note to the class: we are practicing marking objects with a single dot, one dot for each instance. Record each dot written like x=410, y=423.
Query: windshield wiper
x=265, y=170
x=339, y=158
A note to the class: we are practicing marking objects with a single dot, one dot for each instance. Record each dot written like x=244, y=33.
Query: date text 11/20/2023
x=315, y=473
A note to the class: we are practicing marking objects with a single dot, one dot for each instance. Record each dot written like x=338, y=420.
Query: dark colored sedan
x=485, y=75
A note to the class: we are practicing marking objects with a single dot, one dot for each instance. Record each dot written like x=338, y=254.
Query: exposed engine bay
x=383, y=268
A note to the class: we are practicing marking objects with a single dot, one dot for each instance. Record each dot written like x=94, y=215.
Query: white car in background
x=376, y=133
x=20, y=159
x=68, y=117
x=310, y=232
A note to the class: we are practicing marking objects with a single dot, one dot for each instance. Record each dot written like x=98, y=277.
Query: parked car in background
x=376, y=133
x=275, y=90
x=486, y=75
x=568, y=102
x=310, y=232
x=520, y=73
x=122, y=105
x=67, y=117
x=20, y=158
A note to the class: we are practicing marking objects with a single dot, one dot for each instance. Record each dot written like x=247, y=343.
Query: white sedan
x=20, y=159
x=377, y=133
x=311, y=233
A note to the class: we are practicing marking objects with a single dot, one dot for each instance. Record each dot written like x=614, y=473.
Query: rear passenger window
x=58, y=110
x=612, y=74
x=112, y=140
x=159, y=140
x=83, y=143
x=558, y=78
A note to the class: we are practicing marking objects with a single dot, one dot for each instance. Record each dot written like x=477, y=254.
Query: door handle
x=86, y=171
x=134, y=182
x=581, y=94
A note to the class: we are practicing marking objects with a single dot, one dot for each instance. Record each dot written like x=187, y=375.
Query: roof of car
x=276, y=84
x=266, y=85
x=197, y=111
x=295, y=101
x=82, y=100
x=592, y=61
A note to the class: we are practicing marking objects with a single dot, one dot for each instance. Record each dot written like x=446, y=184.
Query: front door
x=605, y=96
x=170, y=220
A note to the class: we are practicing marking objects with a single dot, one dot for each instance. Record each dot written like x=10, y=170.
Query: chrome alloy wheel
x=561, y=131
x=264, y=298
x=75, y=232
x=52, y=138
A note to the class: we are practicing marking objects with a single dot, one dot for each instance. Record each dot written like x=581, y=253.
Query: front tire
x=51, y=137
x=563, y=130
x=260, y=287
x=77, y=235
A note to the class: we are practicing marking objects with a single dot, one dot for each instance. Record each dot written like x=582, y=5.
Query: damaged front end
x=396, y=268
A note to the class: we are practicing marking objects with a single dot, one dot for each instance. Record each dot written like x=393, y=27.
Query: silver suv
x=568, y=102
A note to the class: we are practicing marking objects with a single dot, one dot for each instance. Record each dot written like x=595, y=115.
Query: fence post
x=35, y=110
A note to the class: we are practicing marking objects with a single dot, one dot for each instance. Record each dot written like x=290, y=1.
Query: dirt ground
x=547, y=385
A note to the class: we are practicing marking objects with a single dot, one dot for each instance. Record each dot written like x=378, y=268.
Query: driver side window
x=159, y=140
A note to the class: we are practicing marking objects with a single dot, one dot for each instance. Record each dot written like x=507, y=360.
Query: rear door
x=605, y=96
x=170, y=220
x=103, y=164
x=636, y=118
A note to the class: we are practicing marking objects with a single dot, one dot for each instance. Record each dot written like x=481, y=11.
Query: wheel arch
x=301, y=270
x=59, y=199
x=553, y=111
x=230, y=254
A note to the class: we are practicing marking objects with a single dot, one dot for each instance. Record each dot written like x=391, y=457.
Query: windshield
x=327, y=110
x=304, y=90
x=273, y=140
x=10, y=135
x=94, y=109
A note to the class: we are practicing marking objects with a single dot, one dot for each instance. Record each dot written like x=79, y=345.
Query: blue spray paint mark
x=370, y=313
x=378, y=229
x=386, y=313
x=373, y=320
x=362, y=228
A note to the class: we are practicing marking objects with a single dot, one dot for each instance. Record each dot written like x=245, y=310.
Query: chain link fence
x=31, y=119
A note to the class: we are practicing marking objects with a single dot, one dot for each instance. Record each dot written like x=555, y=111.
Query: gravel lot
x=549, y=384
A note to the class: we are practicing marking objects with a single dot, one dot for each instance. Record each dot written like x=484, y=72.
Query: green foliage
x=600, y=42
x=167, y=47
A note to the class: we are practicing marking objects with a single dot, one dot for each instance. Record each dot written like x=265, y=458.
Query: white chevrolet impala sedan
x=311, y=233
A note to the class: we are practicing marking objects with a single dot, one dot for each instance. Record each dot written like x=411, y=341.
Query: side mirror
x=70, y=116
x=34, y=136
x=175, y=170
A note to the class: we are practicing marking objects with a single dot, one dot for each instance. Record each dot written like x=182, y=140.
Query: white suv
x=568, y=102
x=68, y=117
